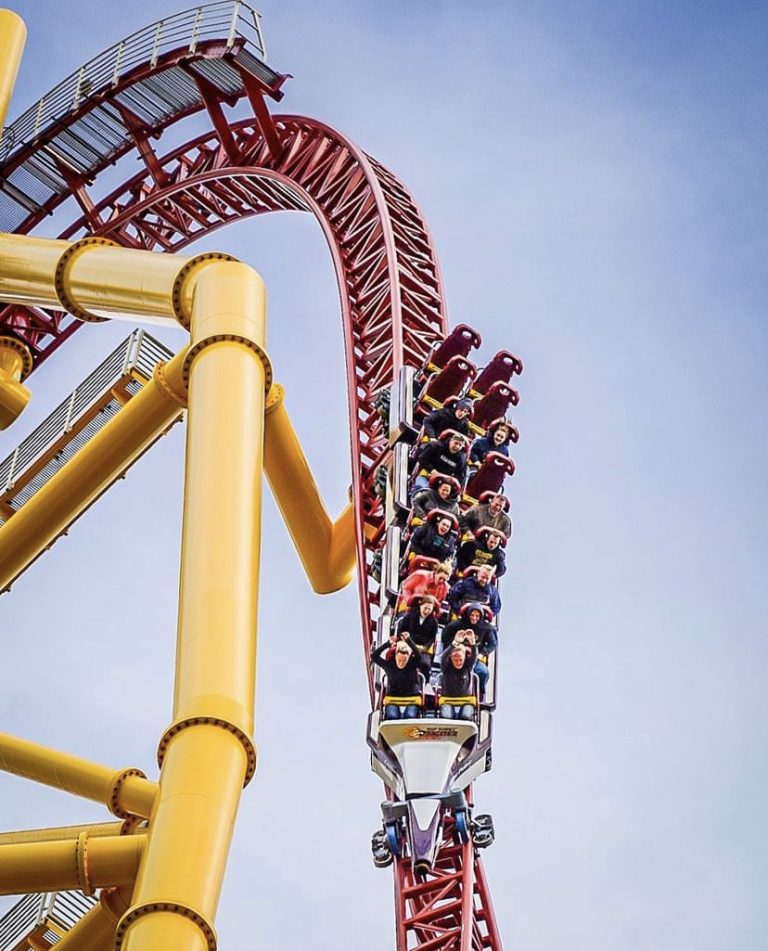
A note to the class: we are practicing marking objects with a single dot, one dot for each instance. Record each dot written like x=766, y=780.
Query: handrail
x=224, y=19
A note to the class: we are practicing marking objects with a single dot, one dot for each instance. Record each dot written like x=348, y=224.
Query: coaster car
x=426, y=763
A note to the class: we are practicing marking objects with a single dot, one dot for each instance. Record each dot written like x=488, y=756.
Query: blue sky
x=593, y=174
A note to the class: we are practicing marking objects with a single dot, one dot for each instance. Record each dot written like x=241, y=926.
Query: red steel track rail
x=393, y=311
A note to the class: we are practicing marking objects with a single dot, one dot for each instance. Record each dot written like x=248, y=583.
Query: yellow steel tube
x=207, y=752
x=13, y=35
x=81, y=863
x=326, y=548
x=104, y=280
x=59, y=832
x=90, y=471
x=124, y=791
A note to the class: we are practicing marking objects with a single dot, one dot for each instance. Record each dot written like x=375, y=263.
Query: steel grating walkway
x=77, y=419
x=41, y=919
x=120, y=99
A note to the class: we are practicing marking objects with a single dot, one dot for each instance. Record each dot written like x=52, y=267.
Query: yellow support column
x=207, y=753
x=13, y=35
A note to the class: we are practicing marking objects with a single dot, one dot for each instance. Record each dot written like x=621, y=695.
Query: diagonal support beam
x=326, y=548
x=125, y=792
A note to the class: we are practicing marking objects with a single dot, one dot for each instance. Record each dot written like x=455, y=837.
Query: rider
x=436, y=538
x=477, y=586
x=454, y=414
x=486, y=548
x=420, y=622
x=497, y=438
x=474, y=619
x=434, y=582
x=443, y=493
x=403, y=697
x=448, y=455
x=490, y=510
x=456, y=698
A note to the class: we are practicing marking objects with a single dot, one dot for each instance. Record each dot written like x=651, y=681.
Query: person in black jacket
x=443, y=493
x=403, y=697
x=456, y=698
x=420, y=623
x=436, y=538
x=454, y=414
x=473, y=627
x=486, y=548
x=448, y=455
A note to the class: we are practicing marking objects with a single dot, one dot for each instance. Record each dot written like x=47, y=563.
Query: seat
x=422, y=563
x=494, y=404
x=459, y=342
x=490, y=476
x=501, y=369
x=451, y=380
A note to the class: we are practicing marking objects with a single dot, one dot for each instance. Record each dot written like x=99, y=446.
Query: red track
x=393, y=311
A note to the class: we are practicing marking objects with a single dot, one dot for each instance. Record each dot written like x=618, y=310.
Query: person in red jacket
x=425, y=582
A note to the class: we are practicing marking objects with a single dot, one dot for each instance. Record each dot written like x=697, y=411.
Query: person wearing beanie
x=454, y=414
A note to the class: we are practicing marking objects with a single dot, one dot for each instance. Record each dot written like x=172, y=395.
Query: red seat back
x=422, y=563
x=457, y=373
x=490, y=476
x=459, y=342
x=494, y=404
x=502, y=368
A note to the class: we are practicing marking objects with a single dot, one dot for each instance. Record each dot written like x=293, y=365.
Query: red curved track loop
x=393, y=311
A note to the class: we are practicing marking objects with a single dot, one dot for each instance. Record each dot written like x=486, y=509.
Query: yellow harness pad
x=459, y=701
x=402, y=701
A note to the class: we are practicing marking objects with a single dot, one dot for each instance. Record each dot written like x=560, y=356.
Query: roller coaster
x=114, y=885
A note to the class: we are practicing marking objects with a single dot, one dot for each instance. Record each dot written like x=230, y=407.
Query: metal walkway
x=77, y=419
x=42, y=920
x=121, y=98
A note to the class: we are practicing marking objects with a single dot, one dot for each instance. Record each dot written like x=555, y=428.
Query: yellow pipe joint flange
x=61, y=276
x=176, y=908
x=27, y=361
x=160, y=378
x=242, y=736
x=112, y=900
x=231, y=338
x=81, y=857
x=117, y=782
x=275, y=396
x=180, y=291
